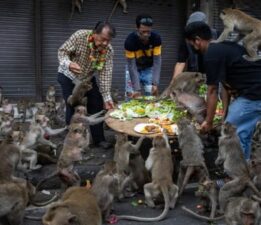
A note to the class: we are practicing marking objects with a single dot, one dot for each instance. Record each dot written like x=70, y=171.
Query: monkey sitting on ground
x=79, y=91
x=159, y=162
x=50, y=95
x=131, y=172
x=245, y=24
x=105, y=187
x=256, y=143
x=14, y=197
x=193, y=161
x=78, y=206
x=6, y=124
x=230, y=154
x=238, y=211
x=72, y=151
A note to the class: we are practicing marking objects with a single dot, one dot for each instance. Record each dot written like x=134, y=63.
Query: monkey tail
x=164, y=189
x=201, y=217
x=253, y=187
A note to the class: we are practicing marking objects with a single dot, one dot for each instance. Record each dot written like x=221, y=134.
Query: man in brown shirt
x=83, y=54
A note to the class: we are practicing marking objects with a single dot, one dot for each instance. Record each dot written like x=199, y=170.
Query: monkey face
x=42, y=120
x=81, y=110
x=228, y=129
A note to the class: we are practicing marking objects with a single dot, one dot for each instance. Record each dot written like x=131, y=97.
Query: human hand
x=75, y=68
x=154, y=90
x=206, y=126
x=108, y=105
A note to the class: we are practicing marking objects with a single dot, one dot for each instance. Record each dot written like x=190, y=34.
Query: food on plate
x=151, y=129
x=147, y=128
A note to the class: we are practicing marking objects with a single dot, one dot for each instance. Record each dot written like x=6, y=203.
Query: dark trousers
x=94, y=104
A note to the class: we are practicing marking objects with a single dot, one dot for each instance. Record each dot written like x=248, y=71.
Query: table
x=127, y=126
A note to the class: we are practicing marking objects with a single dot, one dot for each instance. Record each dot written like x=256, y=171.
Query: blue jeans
x=244, y=114
x=145, y=77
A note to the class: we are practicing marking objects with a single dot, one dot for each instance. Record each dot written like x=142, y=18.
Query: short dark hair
x=144, y=19
x=198, y=29
x=101, y=24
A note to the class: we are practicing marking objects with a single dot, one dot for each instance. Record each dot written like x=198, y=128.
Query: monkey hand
x=205, y=126
x=75, y=68
x=108, y=105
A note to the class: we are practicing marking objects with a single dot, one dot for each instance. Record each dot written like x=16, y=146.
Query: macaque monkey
x=105, y=187
x=256, y=143
x=123, y=150
x=6, y=124
x=255, y=172
x=192, y=148
x=239, y=210
x=79, y=91
x=77, y=206
x=72, y=152
x=124, y=6
x=14, y=197
x=230, y=154
x=159, y=162
x=50, y=95
x=11, y=160
x=245, y=24
x=188, y=82
x=7, y=107
x=76, y=4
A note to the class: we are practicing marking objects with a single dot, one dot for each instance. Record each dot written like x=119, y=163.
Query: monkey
x=124, y=6
x=188, y=82
x=50, y=95
x=12, y=160
x=256, y=143
x=230, y=154
x=239, y=210
x=78, y=93
x=159, y=160
x=7, y=107
x=255, y=169
x=77, y=206
x=72, y=151
x=192, y=148
x=7, y=121
x=245, y=24
x=123, y=150
x=76, y=4
x=105, y=187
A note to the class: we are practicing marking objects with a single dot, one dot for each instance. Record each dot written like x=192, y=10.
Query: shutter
x=17, y=63
x=169, y=17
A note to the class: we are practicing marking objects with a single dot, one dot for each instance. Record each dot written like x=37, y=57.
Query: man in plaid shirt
x=83, y=54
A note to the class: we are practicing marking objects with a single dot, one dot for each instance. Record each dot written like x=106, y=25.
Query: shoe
x=104, y=145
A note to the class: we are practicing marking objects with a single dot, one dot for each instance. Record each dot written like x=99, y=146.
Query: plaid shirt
x=75, y=50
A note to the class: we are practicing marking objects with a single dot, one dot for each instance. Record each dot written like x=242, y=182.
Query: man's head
x=144, y=24
x=103, y=33
x=198, y=34
x=197, y=17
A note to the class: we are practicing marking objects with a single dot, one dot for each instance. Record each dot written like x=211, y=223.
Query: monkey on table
x=225, y=64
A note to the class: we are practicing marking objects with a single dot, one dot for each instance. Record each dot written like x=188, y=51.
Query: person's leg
x=67, y=88
x=146, y=80
x=94, y=105
x=128, y=84
x=244, y=114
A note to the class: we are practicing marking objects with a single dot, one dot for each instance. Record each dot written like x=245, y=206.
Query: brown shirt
x=75, y=50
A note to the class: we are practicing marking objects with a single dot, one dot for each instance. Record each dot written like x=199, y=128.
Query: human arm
x=106, y=80
x=65, y=51
x=212, y=98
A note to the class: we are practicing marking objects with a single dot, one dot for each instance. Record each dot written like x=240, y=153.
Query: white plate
x=139, y=128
